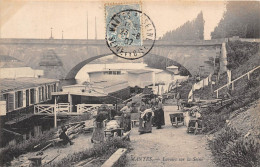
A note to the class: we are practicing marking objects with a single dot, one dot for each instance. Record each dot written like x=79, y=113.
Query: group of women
x=105, y=113
x=150, y=114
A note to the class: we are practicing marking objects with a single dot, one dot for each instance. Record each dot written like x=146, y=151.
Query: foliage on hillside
x=230, y=149
x=190, y=30
x=13, y=151
x=215, y=117
x=229, y=146
x=240, y=19
x=239, y=52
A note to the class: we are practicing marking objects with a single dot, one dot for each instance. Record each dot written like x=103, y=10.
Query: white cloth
x=229, y=76
x=199, y=85
x=145, y=112
x=113, y=124
x=210, y=77
x=190, y=94
x=206, y=81
x=126, y=109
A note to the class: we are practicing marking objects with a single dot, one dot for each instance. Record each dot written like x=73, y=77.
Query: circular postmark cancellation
x=130, y=34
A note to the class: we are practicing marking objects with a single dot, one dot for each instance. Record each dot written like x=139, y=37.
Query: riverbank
x=19, y=150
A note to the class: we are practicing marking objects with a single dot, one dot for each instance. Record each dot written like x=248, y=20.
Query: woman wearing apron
x=145, y=121
x=126, y=112
x=98, y=132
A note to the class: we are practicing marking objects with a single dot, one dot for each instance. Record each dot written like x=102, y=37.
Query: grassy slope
x=231, y=122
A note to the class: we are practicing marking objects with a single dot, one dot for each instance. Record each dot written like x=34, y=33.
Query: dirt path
x=169, y=146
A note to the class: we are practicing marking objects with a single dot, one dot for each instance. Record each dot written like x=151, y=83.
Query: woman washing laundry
x=98, y=132
x=145, y=121
x=126, y=112
x=159, y=115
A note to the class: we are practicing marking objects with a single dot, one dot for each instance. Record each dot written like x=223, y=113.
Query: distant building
x=11, y=67
x=107, y=75
x=108, y=92
x=141, y=78
x=93, y=72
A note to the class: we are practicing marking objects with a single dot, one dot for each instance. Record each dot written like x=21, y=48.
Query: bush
x=83, y=117
x=239, y=52
x=230, y=149
x=9, y=152
x=105, y=150
x=214, y=117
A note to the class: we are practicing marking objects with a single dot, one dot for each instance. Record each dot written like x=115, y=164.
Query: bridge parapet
x=103, y=42
x=212, y=42
x=53, y=41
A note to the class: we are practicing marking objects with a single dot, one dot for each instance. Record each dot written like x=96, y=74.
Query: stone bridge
x=62, y=58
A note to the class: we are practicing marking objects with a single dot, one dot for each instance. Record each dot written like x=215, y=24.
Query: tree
x=240, y=19
x=190, y=30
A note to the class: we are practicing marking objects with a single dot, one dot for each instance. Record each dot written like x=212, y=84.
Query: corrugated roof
x=139, y=71
x=23, y=83
x=93, y=94
x=106, y=84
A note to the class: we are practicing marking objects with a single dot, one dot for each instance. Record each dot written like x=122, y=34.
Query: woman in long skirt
x=98, y=134
x=145, y=122
x=159, y=116
x=126, y=112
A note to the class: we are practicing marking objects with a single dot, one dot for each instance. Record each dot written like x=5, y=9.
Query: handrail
x=237, y=78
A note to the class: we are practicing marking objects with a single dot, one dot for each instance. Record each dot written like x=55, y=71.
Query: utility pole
x=62, y=35
x=51, y=34
x=95, y=28
x=87, y=25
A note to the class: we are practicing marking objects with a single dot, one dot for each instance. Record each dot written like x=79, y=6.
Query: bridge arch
x=73, y=72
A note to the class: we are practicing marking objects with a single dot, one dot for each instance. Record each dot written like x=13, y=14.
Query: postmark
x=130, y=34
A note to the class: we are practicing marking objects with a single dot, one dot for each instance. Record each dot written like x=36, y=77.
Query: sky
x=35, y=18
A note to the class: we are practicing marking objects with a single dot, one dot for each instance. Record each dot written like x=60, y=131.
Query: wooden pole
x=55, y=113
x=95, y=28
x=87, y=24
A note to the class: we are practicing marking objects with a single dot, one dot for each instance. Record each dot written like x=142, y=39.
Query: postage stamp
x=130, y=33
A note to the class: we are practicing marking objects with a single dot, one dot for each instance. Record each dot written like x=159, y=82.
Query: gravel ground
x=169, y=146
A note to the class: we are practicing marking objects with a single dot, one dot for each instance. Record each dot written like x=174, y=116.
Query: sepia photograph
x=129, y=83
